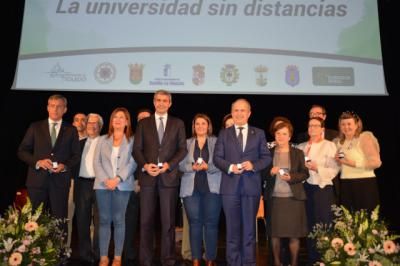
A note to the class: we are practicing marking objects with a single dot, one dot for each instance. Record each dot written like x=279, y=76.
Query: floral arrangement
x=356, y=238
x=31, y=237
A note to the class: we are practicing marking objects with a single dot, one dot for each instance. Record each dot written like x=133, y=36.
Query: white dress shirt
x=86, y=169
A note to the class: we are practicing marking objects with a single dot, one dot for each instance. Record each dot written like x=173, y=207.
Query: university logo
x=105, y=72
x=229, y=74
x=292, y=75
x=198, y=75
x=136, y=73
x=261, y=73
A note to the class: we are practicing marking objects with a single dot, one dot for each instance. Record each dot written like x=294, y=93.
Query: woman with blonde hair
x=358, y=155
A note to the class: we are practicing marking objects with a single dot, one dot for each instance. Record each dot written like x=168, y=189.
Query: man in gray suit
x=160, y=144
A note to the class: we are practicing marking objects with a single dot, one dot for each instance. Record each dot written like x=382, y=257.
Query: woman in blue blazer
x=114, y=167
x=200, y=186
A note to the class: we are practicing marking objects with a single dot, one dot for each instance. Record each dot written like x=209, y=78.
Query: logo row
x=105, y=73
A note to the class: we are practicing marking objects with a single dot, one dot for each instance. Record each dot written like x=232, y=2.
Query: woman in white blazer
x=114, y=167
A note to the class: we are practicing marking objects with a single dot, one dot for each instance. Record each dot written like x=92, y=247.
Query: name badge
x=199, y=160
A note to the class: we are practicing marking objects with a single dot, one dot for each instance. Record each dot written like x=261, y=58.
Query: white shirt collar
x=245, y=126
x=165, y=116
x=51, y=121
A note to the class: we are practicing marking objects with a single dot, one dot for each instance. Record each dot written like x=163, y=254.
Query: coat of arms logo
x=198, y=75
x=136, y=73
x=261, y=79
x=292, y=75
x=229, y=74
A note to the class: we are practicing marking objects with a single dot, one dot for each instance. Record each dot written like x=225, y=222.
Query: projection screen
x=315, y=47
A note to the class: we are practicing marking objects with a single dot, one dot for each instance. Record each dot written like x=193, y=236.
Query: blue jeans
x=203, y=210
x=112, y=208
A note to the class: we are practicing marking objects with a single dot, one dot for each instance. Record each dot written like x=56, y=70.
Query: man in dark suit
x=51, y=149
x=160, y=144
x=132, y=210
x=241, y=153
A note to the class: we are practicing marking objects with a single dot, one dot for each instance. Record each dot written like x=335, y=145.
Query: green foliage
x=356, y=238
x=31, y=237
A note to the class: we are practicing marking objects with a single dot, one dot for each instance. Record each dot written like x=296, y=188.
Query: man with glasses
x=318, y=111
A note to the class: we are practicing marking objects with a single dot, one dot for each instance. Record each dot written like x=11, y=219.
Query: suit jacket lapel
x=46, y=132
x=167, y=129
x=60, y=135
x=153, y=126
x=250, y=137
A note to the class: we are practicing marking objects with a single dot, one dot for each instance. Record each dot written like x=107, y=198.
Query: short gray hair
x=100, y=122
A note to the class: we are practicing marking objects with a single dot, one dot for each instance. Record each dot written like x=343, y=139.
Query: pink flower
x=389, y=247
x=337, y=243
x=31, y=226
x=26, y=242
x=371, y=250
x=21, y=248
x=350, y=249
x=374, y=263
x=15, y=259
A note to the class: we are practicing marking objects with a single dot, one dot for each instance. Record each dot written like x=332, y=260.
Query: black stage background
x=380, y=114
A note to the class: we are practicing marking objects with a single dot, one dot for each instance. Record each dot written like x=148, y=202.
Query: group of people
x=209, y=173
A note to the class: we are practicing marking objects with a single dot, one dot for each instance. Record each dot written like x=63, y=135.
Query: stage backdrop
x=320, y=47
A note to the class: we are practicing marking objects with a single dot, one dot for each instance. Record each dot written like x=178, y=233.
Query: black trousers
x=131, y=226
x=85, y=211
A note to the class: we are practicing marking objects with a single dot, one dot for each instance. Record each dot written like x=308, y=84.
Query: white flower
x=375, y=214
x=36, y=250
x=8, y=244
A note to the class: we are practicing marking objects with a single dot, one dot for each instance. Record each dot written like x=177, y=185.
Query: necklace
x=349, y=146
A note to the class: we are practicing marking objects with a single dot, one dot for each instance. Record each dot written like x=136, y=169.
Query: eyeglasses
x=314, y=126
x=313, y=114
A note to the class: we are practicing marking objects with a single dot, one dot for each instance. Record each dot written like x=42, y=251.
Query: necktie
x=160, y=130
x=53, y=134
x=240, y=137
